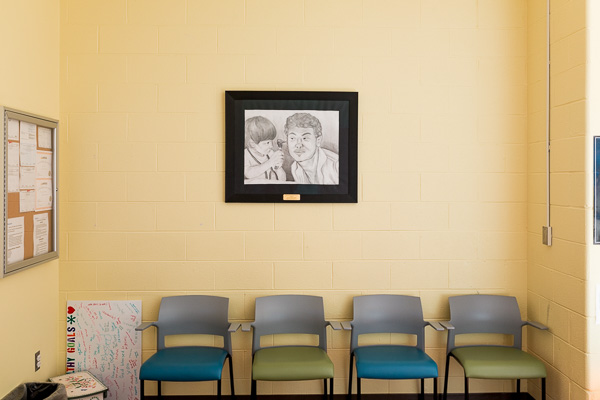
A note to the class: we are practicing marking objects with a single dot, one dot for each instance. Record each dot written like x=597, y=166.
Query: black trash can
x=38, y=391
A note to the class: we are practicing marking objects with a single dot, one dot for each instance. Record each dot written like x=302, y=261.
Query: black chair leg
x=231, y=376
x=325, y=388
x=142, y=397
x=518, y=386
x=159, y=390
x=422, y=394
x=435, y=388
x=253, y=390
x=466, y=388
x=358, y=389
x=219, y=389
x=331, y=388
x=446, y=376
x=350, y=375
x=543, y=388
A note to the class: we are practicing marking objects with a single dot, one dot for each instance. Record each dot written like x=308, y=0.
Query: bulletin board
x=30, y=199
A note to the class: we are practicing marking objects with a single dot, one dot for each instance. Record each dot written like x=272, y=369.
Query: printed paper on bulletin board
x=101, y=339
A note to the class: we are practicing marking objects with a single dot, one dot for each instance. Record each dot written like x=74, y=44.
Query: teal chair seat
x=187, y=364
x=291, y=364
x=394, y=362
x=390, y=314
x=497, y=362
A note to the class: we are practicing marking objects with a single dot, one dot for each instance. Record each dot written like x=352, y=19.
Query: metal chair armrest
x=447, y=325
x=536, y=325
x=144, y=326
x=346, y=325
x=336, y=325
x=435, y=325
x=247, y=326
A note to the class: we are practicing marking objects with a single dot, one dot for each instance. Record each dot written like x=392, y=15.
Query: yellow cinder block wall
x=442, y=170
x=592, y=332
x=29, y=81
x=427, y=224
x=442, y=145
x=559, y=276
x=443, y=151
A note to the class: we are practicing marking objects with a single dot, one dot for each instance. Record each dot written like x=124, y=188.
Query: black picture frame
x=596, y=189
x=321, y=128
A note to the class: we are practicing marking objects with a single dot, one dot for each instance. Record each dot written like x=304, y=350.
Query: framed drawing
x=596, y=189
x=291, y=146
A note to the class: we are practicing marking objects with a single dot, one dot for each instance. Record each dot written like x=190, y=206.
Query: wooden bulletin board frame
x=30, y=191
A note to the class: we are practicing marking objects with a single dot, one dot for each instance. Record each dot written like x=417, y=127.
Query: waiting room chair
x=290, y=314
x=184, y=315
x=490, y=314
x=390, y=314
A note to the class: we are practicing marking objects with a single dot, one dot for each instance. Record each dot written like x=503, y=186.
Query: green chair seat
x=497, y=362
x=294, y=363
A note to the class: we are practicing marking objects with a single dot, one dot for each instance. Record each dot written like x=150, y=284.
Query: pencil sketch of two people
x=299, y=154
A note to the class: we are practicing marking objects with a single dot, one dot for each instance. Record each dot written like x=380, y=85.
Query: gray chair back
x=480, y=313
x=388, y=313
x=203, y=315
x=281, y=314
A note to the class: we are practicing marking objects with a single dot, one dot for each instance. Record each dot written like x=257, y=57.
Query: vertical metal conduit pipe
x=547, y=230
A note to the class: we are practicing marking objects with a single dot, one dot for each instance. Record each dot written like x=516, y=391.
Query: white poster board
x=101, y=339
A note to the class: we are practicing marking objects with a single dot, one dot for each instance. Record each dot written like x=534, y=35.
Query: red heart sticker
x=70, y=310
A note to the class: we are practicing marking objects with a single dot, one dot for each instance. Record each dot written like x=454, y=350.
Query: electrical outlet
x=38, y=360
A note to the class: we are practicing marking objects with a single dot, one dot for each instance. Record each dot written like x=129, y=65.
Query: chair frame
x=407, y=319
x=291, y=323
x=174, y=307
x=510, y=324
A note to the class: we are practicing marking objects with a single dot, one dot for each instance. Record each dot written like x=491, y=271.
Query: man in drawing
x=312, y=164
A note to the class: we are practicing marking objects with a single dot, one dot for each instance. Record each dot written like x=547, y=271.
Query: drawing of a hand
x=276, y=159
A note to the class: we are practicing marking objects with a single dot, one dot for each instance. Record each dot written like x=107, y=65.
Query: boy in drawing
x=262, y=163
